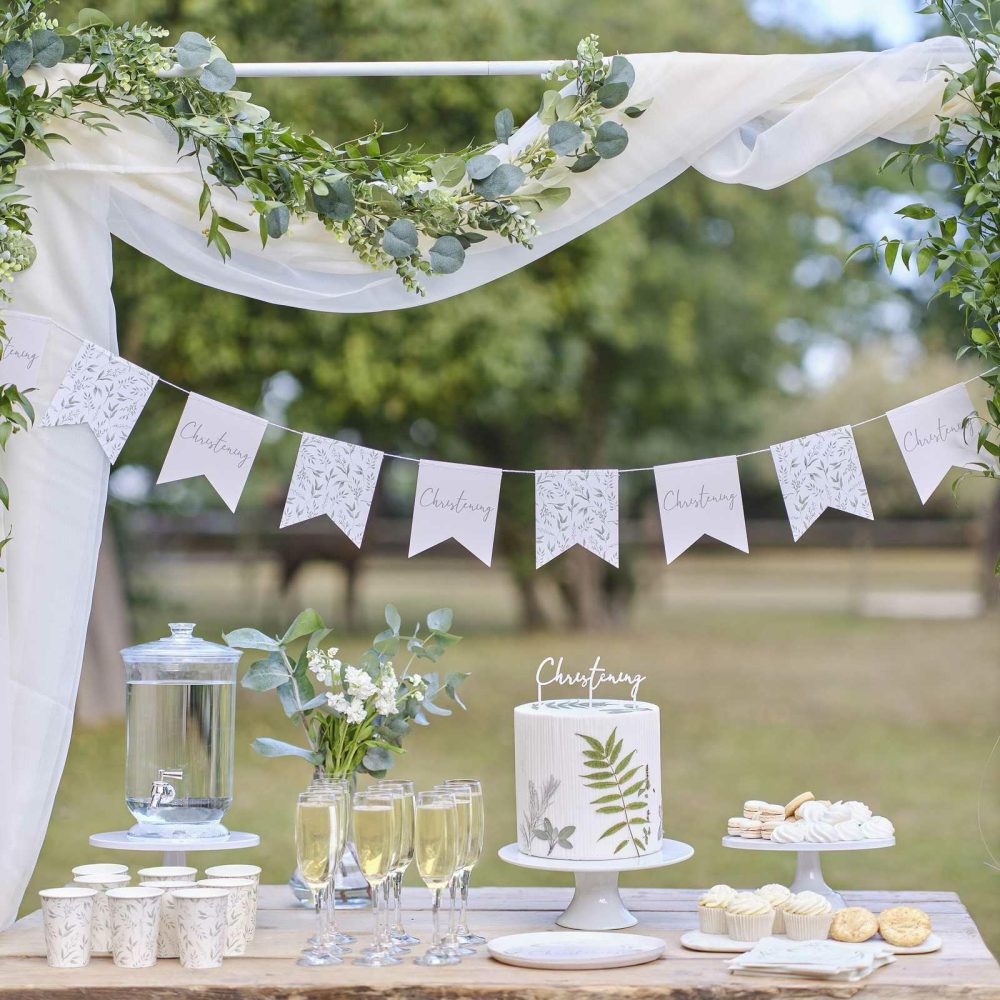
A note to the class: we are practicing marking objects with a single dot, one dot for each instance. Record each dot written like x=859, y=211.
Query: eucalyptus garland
x=400, y=208
x=962, y=248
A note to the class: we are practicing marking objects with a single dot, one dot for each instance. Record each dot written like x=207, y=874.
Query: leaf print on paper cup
x=135, y=923
x=201, y=926
x=241, y=910
x=100, y=924
x=66, y=915
x=166, y=937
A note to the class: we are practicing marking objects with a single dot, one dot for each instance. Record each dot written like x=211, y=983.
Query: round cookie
x=904, y=926
x=796, y=802
x=853, y=924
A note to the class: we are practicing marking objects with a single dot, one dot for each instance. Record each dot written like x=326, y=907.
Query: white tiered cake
x=588, y=779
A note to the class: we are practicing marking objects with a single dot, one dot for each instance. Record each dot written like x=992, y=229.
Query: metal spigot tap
x=162, y=792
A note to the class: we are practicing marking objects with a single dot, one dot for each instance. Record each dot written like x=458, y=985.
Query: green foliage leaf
x=584, y=162
x=440, y=620
x=277, y=218
x=47, y=47
x=565, y=137
x=505, y=180
x=17, y=54
x=610, y=140
x=612, y=94
x=337, y=201
x=268, y=747
x=638, y=109
x=218, y=76
x=306, y=622
x=480, y=167
x=400, y=238
x=449, y=171
x=446, y=255
x=266, y=674
x=916, y=212
x=503, y=124
x=193, y=50
x=622, y=71
x=377, y=759
x=393, y=619
x=250, y=638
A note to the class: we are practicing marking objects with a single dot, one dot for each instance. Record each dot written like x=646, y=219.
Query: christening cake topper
x=550, y=671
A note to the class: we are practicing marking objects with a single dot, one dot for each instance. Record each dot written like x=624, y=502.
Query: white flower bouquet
x=354, y=717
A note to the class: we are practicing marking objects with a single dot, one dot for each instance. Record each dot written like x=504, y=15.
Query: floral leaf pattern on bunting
x=820, y=471
x=104, y=391
x=333, y=478
x=576, y=507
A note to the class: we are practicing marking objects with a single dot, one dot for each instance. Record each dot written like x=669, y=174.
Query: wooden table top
x=963, y=968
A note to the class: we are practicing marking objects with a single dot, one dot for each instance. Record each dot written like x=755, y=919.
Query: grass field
x=757, y=700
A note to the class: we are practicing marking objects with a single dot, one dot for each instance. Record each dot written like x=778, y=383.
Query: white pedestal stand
x=597, y=904
x=174, y=851
x=808, y=870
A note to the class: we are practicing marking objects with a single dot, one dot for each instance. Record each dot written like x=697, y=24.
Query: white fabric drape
x=757, y=120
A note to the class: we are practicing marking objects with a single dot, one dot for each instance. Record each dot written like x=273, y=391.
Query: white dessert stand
x=174, y=850
x=597, y=905
x=808, y=869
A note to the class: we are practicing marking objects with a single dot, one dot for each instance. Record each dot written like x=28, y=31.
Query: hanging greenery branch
x=401, y=208
x=962, y=249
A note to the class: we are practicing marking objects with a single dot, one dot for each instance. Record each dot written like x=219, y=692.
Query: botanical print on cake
x=626, y=791
x=576, y=507
x=820, y=471
x=104, y=391
x=333, y=478
x=536, y=825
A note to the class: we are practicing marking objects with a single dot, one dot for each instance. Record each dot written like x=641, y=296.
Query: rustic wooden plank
x=963, y=970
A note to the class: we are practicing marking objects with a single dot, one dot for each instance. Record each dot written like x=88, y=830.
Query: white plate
x=575, y=950
x=747, y=844
x=722, y=943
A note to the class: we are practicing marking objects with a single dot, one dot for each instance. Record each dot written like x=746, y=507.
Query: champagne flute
x=403, y=799
x=374, y=835
x=465, y=935
x=436, y=848
x=334, y=939
x=316, y=831
x=463, y=829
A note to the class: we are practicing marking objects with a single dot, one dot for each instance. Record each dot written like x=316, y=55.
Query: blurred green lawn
x=755, y=704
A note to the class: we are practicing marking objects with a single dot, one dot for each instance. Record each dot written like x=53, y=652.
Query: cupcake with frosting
x=712, y=909
x=807, y=916
x=777, y=896
x=749, y=917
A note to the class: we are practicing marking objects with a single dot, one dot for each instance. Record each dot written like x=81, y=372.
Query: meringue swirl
x=877, y=828
x=789, y=833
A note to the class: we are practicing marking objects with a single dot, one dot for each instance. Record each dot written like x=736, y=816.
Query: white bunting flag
x=576, y=507
x=333, y=478
x=104, y=391
x=932, y=438
x=21, y=363
x=456, y=501
x=700, y=498
x=216, y=441
x=820, y=471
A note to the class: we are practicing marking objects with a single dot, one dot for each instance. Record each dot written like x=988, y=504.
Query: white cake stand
x=808, y=870
x=174, y=850
x=597, y=904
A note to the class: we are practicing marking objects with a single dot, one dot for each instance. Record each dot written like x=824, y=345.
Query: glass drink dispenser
x=180, y=702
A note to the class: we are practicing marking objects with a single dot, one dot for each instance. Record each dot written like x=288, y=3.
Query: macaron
x=734, y=825
x=771, y=811
x=796, y=802
x=752, y=829
x=752, y=808
x=768, y=826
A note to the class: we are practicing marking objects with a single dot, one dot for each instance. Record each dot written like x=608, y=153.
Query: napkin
x=834, y=960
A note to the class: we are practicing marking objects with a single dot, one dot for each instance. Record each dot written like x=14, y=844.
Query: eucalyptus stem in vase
x=353, y=718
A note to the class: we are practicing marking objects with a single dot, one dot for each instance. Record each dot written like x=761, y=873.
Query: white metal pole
x=355, y=69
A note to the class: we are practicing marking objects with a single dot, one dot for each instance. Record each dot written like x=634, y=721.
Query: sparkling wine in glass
x=403, y=797
x=316, y=834
x=375, y=839
x=436, y=851
x=477, y=839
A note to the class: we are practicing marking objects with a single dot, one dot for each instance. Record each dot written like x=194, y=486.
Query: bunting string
x=572, y=506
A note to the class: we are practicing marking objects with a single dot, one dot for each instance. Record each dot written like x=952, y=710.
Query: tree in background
x=649, y=339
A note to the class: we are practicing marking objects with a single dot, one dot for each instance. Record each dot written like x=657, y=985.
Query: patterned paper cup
x=201, y=926
x=169, y=873
x=66, y=914
x=166, y=938
x=241, y=911
x=251, y=872
x=135, y=923
x=100, y=924
x=100, y=869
